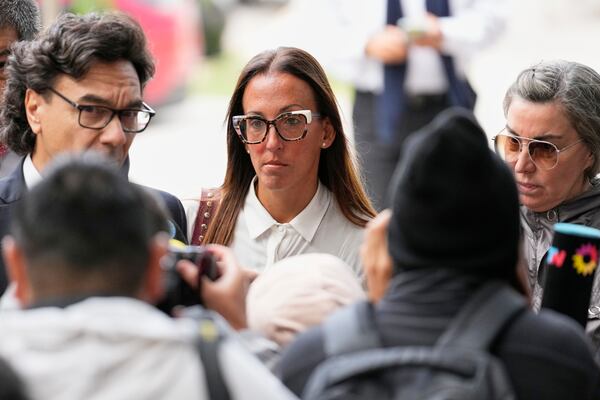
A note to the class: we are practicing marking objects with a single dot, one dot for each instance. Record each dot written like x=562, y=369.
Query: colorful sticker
x=581, y=266
x=556, y=257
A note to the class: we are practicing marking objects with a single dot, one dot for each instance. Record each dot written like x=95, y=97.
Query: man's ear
x=153, y=289
x=33, y=102
x=17, y=270
x=328, y=134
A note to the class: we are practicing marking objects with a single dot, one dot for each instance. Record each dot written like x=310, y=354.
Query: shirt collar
x=306, y=223
x=30, y=173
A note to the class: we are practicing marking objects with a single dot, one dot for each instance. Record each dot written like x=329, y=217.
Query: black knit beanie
x=455, y=203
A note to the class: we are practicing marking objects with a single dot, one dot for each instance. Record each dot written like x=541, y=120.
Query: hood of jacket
x=102, y=348
x=538, y=233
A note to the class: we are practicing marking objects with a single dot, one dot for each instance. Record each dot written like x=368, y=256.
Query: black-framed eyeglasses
x=542, y=153
x=290, y=126
x=98, y=117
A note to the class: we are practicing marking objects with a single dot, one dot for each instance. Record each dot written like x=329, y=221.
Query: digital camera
x=177, y=290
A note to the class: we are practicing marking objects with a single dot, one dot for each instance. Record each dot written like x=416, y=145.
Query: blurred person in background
x=75, y=88
x=443, y=251
x=19, y=20
x=88, y=276
x=291, y=184
x=551, y=142
x=403, y=73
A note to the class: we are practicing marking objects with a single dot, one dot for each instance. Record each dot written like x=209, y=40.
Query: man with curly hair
x=19, y=20
x=77, y=87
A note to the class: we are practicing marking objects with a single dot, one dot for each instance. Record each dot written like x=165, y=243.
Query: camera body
x=177, y=291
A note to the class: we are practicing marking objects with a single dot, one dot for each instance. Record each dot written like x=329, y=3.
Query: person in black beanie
x=454, y=227
x=455, y=204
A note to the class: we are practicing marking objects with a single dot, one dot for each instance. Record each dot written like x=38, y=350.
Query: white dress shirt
x=30, y=173
x=259, y=240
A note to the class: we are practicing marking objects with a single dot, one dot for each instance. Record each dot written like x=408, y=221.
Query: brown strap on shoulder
x=209, y=202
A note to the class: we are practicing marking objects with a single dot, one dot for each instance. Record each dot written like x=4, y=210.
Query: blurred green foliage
x=86, y=6
x=216, y=75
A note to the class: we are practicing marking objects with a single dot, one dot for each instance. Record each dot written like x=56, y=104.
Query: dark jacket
x=537, y=237
x=12, y=189
x=546, y=355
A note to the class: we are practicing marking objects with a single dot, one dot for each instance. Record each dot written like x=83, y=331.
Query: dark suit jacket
x=12, y=189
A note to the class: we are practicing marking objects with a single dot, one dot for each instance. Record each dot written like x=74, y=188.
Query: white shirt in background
x=351, y=23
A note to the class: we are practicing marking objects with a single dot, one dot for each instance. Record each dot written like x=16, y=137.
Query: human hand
x=432, y=36
x=388, y=46
x=227, y=294
x=376, y=260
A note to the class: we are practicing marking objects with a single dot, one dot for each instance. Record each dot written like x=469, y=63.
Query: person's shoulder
x=172, y=203
x=556, y=348
x=550, y=331
x=167, y=197
x=300, y=358
x=176, y=211
x=12, y=186
x=336, y=218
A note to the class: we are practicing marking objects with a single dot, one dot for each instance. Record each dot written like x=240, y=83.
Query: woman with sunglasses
x=552, y=142
x=291, y=184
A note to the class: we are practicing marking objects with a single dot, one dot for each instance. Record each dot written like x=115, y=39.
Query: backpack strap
x=209, y=202
x=210, y=337
x=483, y=317
x=351, y=329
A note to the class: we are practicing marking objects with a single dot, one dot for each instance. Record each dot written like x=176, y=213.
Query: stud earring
x=324, y=144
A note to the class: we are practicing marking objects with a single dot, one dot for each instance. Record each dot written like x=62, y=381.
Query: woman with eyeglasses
x=552, y=142
x=291, y=184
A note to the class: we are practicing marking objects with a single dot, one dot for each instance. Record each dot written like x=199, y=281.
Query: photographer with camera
x=85, y=254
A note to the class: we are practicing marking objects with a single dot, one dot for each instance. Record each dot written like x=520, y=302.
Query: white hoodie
x=119, y=348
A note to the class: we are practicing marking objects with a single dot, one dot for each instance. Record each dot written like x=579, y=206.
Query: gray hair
x=575, y=88
x=21, y=15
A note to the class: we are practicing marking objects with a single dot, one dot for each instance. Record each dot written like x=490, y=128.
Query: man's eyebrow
x=92, y=98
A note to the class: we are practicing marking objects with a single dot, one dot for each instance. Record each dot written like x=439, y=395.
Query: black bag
x=459, y=366
x=210, y=336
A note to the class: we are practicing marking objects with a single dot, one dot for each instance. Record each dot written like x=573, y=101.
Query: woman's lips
x=527, y=188
x=274, y=165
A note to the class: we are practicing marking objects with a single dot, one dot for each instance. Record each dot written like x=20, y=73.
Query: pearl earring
x=324, y=144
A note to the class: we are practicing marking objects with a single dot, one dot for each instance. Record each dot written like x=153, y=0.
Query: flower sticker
x=585, y=259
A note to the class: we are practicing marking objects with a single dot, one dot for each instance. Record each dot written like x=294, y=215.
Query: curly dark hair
x=71, y=45
x=21, y=15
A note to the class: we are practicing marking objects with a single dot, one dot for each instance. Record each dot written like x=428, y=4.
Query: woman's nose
x=273, y=140
x=524, y=163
